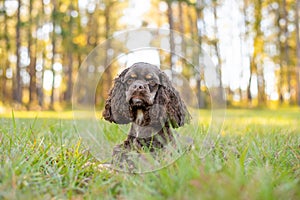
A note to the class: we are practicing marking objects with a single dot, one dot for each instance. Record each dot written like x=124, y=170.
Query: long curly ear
x=116, y=109
x=176, y=109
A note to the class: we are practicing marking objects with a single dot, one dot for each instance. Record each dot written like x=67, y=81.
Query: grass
x=256, y=157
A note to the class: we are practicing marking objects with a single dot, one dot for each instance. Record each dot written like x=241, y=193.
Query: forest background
x=254, y=45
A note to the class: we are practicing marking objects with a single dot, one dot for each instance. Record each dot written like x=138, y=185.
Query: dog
x=144, y=96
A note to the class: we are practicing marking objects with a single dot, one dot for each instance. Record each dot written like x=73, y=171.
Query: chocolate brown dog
x=144, y=96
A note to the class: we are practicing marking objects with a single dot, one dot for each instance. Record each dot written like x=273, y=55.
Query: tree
x=298, y=50
x=171, y=35
x=181, y=23
x=54, y=19
x=109, y=24
x=41, y=52
x=281, y=77
x=244, y=37
x=181, y=28
x=69, y=47
x=109, y=28
x=200, y=71
x=32, y=53
x=17, y=90
x=256, y=60
x=5, y=95
x=216, y=46
x=286, y=44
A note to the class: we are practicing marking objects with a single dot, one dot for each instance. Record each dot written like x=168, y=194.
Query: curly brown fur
x=144, y=96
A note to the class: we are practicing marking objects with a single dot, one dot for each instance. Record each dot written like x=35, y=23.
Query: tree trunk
x=69, y=54
x=171, y=36
x=198, y=55
x=281, y=80
x=252, y=70
x=181, y=27
x=32, y=54
x=40, y=79
x=246, y=35
x=107, y=74
x=32, y=83
x=298, y=51
x=286, y=47
x=17, y=90
x=182, y=33
x=68, y=94
x=53, y=54
x=217, y=50
x=5, y=92
x=258, y=49
x=107, y=34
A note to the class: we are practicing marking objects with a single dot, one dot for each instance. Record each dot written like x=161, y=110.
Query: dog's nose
x=139, y=86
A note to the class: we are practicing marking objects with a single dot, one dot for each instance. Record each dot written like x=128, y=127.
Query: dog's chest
x=140, y=129
x=139, y=117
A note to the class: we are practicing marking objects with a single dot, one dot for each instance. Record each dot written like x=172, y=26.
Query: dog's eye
x=129, y=81
x=152, y=82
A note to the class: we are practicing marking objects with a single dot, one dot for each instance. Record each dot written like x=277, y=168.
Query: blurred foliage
x=56, y=36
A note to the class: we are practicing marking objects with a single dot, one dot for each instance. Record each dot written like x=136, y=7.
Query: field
x=256, y=157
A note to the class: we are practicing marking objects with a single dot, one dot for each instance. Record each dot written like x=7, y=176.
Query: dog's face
x=141, y=85
x=144, y=95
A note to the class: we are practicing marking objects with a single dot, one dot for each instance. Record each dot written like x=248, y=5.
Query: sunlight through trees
x=254, y=44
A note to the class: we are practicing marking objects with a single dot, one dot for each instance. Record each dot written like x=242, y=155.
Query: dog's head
x=143, y=94
x=141, y=85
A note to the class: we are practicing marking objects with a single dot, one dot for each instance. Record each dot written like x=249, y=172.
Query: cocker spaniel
x=144, y=96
